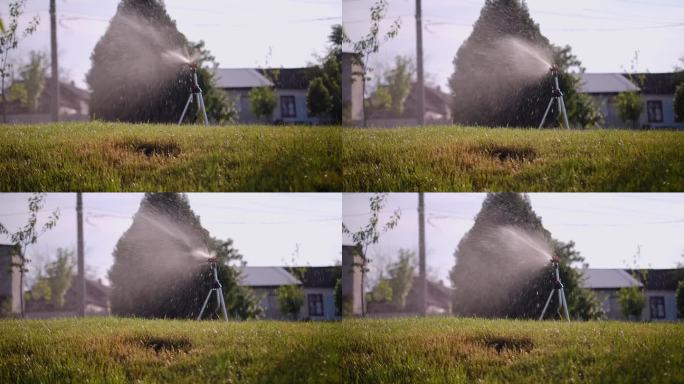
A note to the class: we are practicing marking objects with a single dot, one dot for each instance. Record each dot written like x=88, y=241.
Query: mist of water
x=496, y=266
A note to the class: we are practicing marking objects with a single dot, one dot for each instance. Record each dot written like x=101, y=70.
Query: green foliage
x=96, y=156
x=40, y=291
x=678, y=103
x=632, y=301
x=401, y=277
x=629, y=107
x=155, y=274
x=262, y=100
x=33, y=76
x=290, y=300
x=471, y=159
x=398, y=81
x=370, y=233
x=483, y=93
x=339, y=298
x=679, y=294
x=28, y=235
x=318, y=99
x=381, y=99
x=132, y=81
x=17, y=93
x=59, y=274
x=329, y=72
x=382, y=292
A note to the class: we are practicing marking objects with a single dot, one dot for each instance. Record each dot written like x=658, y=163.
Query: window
x=287, y=106
x=655, y=111
x=657, y=304
x=315, y=304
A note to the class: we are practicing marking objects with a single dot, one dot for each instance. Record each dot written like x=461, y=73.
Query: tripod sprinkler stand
x=195, y=92
x=557, y=287
x=557, y=96
x=216, y=287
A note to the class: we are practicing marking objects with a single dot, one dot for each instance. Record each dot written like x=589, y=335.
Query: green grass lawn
x=484, y=159
x=437, y=350
x=95, y=156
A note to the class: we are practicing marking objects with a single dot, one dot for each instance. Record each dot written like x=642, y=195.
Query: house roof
x=662, y=279
x=658, y=83
x=594, y=278
x=288, y=78
x=240, y=78
x=267, y=277
x=605, y=83
x=321, y=277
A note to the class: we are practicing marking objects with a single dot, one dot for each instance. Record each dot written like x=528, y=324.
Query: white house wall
x=328, y=304
x=670, y=305
x=300, y=107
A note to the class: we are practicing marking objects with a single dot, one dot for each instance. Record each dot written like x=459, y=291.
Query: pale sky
x=266, y=227
x=604, y=34
x=253, y=33
x=607, y=227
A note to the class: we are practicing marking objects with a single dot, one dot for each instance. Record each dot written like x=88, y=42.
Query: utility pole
x=79, y=252
x=54, y=103
x=420, y=89
x=421, y=254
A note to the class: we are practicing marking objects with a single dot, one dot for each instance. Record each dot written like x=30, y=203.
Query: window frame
x=311, y=300
x=653, y=302
x=658, y=106
x=284, y=113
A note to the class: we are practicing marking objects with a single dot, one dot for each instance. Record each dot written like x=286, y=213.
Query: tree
x=318, y=99
x=28, y=235
x=678, y=103
x=371, y=42
x=496, y=83
x=632, y=301
x=33, y=77
x=262, y=101
x=10, y=36
x=629, y=107
x=140, y=70
x=329, y=71
x=382, y=292
x=290, y=300
x=59, y=274
x=503, y=264
x=159, y=270
x=398, y=81
x=370, y=234
x=680, y=299
x=401, y=277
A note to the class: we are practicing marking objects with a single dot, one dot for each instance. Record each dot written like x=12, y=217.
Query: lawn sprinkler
x=556, y=95
x=557, y=286
x=195, y=92
x=216, y=287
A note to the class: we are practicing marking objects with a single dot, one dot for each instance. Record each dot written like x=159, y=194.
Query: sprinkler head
x=554, y=70
x=193, y=66
x=555, y=260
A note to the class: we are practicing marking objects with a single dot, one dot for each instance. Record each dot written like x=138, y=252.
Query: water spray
x=195, y=92
x=557, y=96
x=557, y=287
x=216, y=287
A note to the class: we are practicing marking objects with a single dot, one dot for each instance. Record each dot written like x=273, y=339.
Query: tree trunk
x=21, y=291
x=4, y=100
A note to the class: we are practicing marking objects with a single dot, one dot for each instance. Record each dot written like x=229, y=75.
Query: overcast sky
x=250, y=33
x=604, y=34
x=606, y=227
x=266, y=227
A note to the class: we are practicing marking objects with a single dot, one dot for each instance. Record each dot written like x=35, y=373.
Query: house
x=96, y=302
x=439, y=301
x=352, y=287
x=659, y=288
x=291, y=86
x=656, y=92
x=318, y=284
x=437, y=110
x=10, y=287
x=73, y=105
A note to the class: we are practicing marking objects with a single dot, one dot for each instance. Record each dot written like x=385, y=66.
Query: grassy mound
x=485, y=159
x=100, y=157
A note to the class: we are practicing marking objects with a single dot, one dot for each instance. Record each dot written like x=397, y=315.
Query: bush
x=629, y=107
x=290, y=300
x=632, y=301
x=263, y=102
x=679, y=103
x=680, y=299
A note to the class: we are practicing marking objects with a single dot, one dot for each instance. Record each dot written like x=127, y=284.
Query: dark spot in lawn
x=502, y=343
x=166, y=344
x=152, y=148
x=510, y=153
